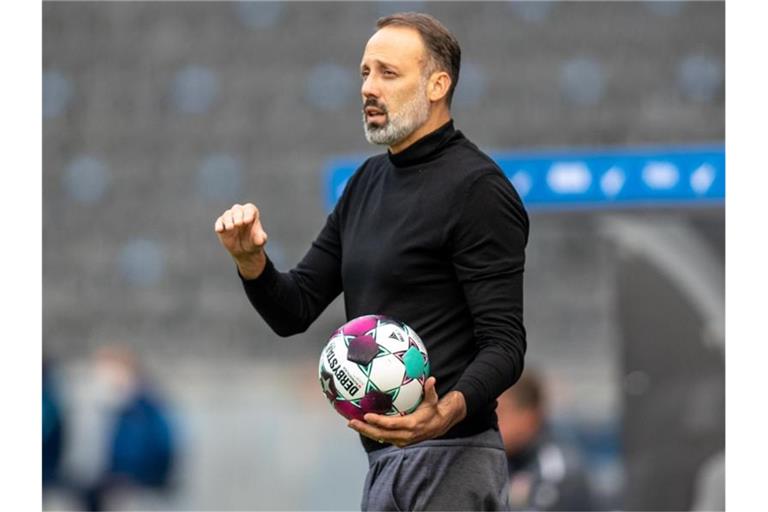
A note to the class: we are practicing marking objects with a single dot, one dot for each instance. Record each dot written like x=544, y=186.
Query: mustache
x=372, y=102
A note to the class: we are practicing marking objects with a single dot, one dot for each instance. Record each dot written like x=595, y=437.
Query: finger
x=388, y=422
x=218, y=225
x=237, y=215
x=430, y=393
x=259, y=236
x=367, y=430
x=377, y=434
x=250, y=213
x=227, y=219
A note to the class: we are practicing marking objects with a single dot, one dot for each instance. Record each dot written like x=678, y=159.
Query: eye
x=389, y=73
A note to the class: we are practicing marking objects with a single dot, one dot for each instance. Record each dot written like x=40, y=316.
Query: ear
x=438, y=86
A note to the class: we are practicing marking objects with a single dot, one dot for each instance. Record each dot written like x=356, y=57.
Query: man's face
x=518, y=425
x=394, y=85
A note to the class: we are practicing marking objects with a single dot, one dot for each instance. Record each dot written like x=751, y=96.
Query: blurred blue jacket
x=53, y=428
x=143, y=444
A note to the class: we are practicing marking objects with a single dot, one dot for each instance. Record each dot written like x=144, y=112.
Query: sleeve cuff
x=264, y=281
x=472, y=396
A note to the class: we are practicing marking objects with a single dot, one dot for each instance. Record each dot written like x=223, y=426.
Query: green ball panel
x=414, y=363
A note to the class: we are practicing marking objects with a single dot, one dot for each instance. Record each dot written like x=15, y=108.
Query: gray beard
x=399, y=125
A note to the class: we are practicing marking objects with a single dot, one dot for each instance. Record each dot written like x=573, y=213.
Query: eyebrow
x=381, y=63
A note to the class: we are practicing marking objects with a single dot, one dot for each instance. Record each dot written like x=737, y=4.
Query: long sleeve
x=489, y=242
x=290, y=301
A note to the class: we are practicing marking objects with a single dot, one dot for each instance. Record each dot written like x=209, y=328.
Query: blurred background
x=163, y=389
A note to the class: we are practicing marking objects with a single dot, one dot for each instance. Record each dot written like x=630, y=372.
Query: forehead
x=399, y=46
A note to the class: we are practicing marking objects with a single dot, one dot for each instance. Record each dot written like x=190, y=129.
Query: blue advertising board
x=594, y=178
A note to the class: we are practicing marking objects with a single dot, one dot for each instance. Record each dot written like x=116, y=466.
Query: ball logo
x=342, y=378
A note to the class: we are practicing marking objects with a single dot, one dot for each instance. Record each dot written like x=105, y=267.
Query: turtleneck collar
x=423, y=149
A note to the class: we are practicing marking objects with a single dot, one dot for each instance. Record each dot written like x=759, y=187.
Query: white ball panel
x=387, y=372
x=410, y=395
x=383, y=338
x=416, y=338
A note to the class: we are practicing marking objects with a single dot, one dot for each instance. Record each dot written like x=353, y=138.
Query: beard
x=397, y=125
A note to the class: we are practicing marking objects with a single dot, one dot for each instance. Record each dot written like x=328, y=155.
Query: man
x=139, y=465
x=430, y=233
x=546, y=473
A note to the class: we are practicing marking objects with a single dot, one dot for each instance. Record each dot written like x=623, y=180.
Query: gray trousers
x=469, y=473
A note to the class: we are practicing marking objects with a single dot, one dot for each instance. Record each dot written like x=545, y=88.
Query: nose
x=369, y=88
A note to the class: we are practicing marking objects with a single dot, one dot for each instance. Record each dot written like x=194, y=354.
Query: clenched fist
x=240, y=232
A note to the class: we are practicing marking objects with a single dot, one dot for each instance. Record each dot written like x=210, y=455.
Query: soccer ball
x=374, y=364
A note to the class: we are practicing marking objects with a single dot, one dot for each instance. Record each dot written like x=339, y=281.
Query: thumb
x=258, y=235
x=430, y=393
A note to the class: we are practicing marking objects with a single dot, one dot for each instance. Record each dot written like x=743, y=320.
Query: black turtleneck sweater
x=435, y=237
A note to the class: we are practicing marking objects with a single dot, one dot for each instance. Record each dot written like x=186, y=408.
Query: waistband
x=487, y=439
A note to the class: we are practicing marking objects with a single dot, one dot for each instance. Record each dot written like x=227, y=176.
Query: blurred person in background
x=54, y=427
x=141, y=446
x=430, y=233
x=546, y=473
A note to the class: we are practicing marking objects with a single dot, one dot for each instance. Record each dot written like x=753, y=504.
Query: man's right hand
x=240, y=232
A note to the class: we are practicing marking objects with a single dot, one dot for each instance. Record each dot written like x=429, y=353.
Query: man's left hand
x=433, y=418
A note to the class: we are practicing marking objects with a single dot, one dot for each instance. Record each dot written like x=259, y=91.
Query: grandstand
x=158, y=116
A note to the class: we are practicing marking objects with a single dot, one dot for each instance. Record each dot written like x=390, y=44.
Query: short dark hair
x=442, y=46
